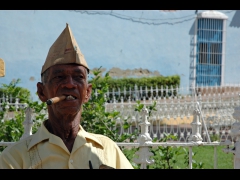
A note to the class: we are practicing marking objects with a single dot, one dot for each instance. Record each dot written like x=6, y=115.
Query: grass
x=205, y=154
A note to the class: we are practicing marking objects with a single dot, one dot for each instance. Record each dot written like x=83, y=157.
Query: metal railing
x=193, y=118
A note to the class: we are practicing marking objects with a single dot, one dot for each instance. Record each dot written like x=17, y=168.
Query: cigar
x=55, y=100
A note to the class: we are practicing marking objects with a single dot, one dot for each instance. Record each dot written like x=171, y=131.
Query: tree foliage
x=12, y=89
x=95, y=119
x=148, y=82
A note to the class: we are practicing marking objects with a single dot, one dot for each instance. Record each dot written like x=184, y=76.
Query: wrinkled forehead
x=67, y=68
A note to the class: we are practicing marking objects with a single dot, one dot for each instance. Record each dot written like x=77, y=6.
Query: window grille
x=210, y=49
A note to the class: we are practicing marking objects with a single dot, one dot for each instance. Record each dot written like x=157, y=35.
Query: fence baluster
x=141, y=93
x=136, y=96
x=143, y=139
x=190, y=157
x=161, y=91
x=27, y=123
x=146, y=92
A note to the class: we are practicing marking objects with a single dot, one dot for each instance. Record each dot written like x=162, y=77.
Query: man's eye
x=79, y=77
x=58, y=77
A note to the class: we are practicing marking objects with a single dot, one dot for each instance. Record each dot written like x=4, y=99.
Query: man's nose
x=69, y=82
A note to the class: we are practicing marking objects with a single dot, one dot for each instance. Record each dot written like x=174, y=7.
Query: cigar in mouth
x=55, y=100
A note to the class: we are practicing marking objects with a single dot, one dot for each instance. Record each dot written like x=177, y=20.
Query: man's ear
x=88, y=93
x=40, y=92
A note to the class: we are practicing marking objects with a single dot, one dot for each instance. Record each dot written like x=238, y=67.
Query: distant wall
x=150, y=39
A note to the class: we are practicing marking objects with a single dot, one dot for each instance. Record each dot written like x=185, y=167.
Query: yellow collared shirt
x=44, y=150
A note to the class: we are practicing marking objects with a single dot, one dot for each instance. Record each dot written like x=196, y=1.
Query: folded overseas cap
x=64, y=50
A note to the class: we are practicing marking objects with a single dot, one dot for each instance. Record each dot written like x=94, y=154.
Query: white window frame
x=211, y=14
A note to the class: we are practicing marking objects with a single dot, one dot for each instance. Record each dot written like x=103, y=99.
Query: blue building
x=209, y=49
x=200, y=46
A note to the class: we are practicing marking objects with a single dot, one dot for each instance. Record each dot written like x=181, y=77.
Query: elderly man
x=61, y=142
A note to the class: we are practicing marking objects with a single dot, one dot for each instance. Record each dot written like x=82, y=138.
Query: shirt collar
x=43, y=134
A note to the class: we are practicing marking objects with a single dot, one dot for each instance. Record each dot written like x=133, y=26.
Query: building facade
x=200, y=46
x=209, y=49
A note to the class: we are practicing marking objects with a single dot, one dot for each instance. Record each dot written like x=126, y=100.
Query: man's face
x=69, y=80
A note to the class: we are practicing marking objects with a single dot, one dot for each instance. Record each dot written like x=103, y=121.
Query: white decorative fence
x=175, y=112
x=195, y=118
x=6, y=102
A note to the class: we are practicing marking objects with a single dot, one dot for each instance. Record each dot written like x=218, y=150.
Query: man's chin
x=68, y=110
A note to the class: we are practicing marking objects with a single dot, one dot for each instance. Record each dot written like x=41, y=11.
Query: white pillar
x=196, y=125
x=144, y=139
x=27, y=123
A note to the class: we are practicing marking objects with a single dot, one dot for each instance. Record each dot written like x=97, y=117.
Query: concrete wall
x=154, y=40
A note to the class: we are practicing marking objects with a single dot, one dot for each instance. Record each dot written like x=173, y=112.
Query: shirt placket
x=71, y=162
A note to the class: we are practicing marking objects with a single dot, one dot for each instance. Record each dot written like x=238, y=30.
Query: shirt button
x=71, y=161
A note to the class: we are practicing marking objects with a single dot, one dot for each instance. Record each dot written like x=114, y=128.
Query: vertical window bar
x=205, y=47
x=220, y=51
x=208, y=51
x=211, y=38
x=218, y=46
x=205, y=50
x=211, y=43
x=215, y=58
x=214, y=26
x=212, y=52
x=198, y=49
x=213, y=46
x=219, y=59
x=209, y=30
x=208, y=43
x=215, y=53
x=221, y=31
x=207, y=27
x=199, y=31
x=218, y=30
x=205, y=80
x=219, y=42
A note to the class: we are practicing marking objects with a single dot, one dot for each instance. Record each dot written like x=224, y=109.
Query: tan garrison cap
x=64, y=50
x=2, y=68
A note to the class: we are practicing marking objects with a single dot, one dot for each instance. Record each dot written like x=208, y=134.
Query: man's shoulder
x=103, y=139
x=100, y=136
x=19, y=146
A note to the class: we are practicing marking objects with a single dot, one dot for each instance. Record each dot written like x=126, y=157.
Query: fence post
x=196, y=126
x=190, y=157
x=215, y=157
x=235, y=133
x=27, y=123
x=144, y=139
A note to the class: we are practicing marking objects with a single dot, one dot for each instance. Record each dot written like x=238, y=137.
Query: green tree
x=11, y=129
x=95, y=119
x=12, y=89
